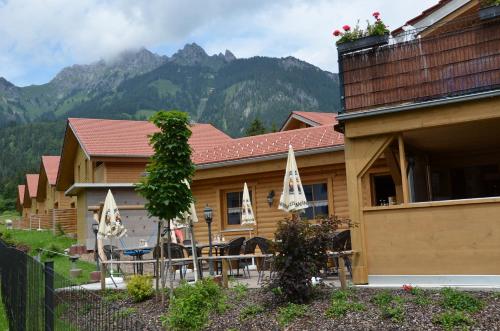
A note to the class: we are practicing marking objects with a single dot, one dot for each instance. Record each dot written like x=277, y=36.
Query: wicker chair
x=233, y=248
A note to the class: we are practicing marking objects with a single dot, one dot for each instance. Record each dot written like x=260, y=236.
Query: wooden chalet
x=20, y=199
x=100, y=154
x=421, y=118
x=30, y=210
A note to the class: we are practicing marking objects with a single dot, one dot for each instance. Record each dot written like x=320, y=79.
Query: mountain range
x=219, y=89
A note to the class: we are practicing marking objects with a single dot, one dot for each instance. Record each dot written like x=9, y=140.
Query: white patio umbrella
x=190, y=218
x=110, y=224
x=292, y=198
x=247, y=216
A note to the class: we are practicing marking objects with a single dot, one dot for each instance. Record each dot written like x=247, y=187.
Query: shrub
x=383, y=298
x=461, y=301
x=240, y=290
x=192, y=304
x=394, y=311
x=290, y=312
x=140, y=288
x=113, y=296
x=250, y=311
x=59, y=230
x=301, y=248
x=340, y=304
x=450, y=320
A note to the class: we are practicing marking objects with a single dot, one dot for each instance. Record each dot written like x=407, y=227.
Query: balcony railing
x=460, y=57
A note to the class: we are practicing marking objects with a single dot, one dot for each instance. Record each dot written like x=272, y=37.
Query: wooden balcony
x=460, y=57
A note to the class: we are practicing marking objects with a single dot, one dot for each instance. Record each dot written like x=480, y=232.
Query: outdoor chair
x=249, y=248
x=342, y=242
x=177, y=252
x=233, y=248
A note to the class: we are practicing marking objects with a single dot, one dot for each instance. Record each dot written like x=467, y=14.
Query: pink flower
x=376, y=14
x=346, y=27
x=337, y=33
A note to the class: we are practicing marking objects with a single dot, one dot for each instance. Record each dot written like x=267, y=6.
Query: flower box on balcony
x=487, y=13
x=362, y=43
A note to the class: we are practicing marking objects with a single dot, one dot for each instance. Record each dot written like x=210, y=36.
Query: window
x=383, y=189
x=233, y=207
x=317, y=199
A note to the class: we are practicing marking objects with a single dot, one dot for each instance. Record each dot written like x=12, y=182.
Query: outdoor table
x=137, y=254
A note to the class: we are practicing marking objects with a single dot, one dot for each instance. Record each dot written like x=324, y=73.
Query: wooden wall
x=124, y=172
x=211, y=192
x=435, y=238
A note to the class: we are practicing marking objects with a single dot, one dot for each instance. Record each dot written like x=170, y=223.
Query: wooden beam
x=402, y=164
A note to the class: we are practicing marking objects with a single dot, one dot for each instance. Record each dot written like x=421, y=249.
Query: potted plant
x=489, y=9
x=375, y=34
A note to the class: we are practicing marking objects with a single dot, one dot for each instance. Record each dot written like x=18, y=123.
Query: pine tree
x=255, y=128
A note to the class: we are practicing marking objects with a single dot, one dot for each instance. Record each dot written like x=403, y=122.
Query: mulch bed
x=416, y=317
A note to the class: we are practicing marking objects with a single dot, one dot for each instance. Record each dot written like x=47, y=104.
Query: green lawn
x=45, y=239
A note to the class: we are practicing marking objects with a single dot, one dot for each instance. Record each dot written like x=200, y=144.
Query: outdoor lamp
x=207, y=211
x=270, y=198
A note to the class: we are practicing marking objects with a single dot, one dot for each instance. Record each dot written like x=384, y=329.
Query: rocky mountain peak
x=191, y=54
x=229, y=56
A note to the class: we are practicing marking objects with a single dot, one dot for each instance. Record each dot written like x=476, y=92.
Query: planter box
x=490, y=12
x=362, y=43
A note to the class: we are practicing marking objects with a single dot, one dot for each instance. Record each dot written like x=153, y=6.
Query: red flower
x=376, y=14
x=337, y=33
x=346, y=27
x=407, y=288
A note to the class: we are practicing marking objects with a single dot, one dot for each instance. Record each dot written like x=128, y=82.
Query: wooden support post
x=225, y=267
x=103, y=276
x=404, y=174
x=342, y=276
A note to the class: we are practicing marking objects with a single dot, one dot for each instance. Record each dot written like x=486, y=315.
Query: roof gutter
x=278, y=156
x=413, y=106
x=77, y=187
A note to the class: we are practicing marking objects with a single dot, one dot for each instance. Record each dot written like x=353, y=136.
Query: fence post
x=49, y=295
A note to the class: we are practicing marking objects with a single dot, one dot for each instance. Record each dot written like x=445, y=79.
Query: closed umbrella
x=190, y=218
x=247, y=216
x=110, y=225
x=293, y=198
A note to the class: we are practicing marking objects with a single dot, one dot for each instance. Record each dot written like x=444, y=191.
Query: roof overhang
x=277, y=156
x=420, y=105
x=76, y=188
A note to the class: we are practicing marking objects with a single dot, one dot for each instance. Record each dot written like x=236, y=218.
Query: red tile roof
x=101, y=137
x=32, y=184
x=51, y=166
x=20, y=191
x=270, y=144
x=320, y=118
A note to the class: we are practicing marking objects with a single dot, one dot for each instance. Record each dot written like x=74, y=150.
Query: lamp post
x=207, y=212
x=95, y=229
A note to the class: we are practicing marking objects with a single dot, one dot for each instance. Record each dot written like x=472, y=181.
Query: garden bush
x=450, y=320
x=290, y=312
x=52, y=250
x=462, y=301
x=250, y=311
x=301, y=249
x=140, y=288
x=341, y=303
x=192, y=304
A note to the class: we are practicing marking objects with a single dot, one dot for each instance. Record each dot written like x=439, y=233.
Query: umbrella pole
x=194, y=252
x=169, y=256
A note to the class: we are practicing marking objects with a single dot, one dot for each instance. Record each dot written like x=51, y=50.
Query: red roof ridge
x=51, y=165
x=32, y=184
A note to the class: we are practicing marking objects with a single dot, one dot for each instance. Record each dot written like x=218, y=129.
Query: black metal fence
x=37, y=298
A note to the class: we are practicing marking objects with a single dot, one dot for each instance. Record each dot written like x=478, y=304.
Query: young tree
x=168, y=197
x=255, y=128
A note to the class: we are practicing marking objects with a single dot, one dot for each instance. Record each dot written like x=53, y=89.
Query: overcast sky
x=38, y=38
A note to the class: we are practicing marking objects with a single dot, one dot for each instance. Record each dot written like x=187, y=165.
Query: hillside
x=219, y=89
